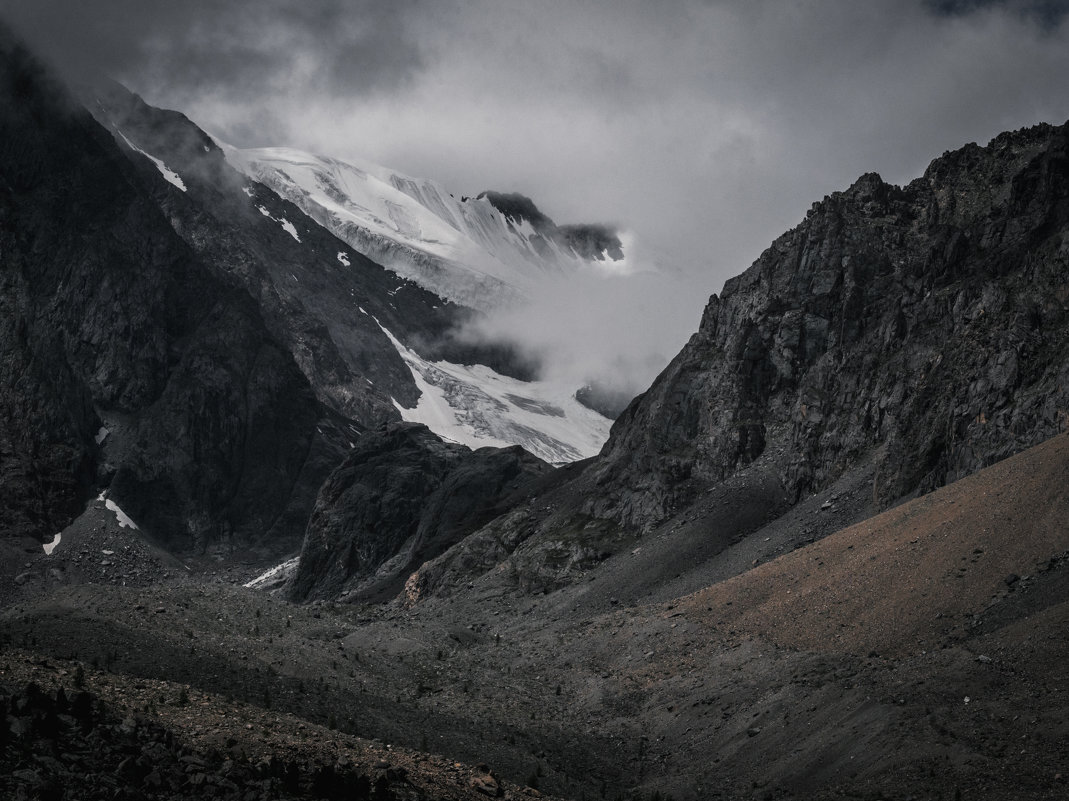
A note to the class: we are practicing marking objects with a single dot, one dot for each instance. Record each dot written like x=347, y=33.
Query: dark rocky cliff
x=924, y=327
x=126, y=360
x=399, y=499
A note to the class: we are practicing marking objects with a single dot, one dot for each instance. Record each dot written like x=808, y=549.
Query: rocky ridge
x=400, y=498
x=128, y=362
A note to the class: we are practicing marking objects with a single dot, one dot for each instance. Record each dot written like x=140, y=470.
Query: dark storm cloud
x=1048, y=13
x=235, y=50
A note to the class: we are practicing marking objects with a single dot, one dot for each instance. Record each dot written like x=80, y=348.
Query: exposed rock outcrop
x=587, y=241
x=399, y=499
x=929, y=319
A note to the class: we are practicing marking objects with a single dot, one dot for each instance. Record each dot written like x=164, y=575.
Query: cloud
x=246, y=52
x=612, y=330
x=706, y=127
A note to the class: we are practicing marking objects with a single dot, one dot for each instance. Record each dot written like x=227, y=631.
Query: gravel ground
x=919, y=653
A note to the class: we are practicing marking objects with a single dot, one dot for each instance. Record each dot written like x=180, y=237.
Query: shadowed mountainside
x=127, y=361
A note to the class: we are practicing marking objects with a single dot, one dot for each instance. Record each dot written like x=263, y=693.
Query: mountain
x=896, y=340
x=374, y=346
x=478, y=252
x=192, y=343
x=401, y=497
x=823, y=556
x=920, y=328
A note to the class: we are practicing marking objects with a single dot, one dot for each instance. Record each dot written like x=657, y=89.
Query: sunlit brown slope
x=893, y=583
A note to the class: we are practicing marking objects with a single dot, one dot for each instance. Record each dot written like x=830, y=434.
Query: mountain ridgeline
x=587, y=241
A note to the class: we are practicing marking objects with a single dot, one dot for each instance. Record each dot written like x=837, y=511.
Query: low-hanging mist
x=612, y=330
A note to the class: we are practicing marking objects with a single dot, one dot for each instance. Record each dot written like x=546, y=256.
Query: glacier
x=475, y=406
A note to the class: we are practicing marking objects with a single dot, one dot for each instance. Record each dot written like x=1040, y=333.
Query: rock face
x=126, y=360
x=924, y=327
x=399, y=499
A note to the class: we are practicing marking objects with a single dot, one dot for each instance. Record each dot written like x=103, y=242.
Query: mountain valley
x=252, y=546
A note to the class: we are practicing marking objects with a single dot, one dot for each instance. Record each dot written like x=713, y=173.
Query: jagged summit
x=590, y=241
x=926, y=321
x=518, y=208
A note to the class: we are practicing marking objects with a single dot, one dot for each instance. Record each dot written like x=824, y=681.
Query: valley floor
x=919, y=653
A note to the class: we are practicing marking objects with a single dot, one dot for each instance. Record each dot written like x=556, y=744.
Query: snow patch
x=287, y=226
x=124, y=519
x=343, y=257
x=277, y=574
x=459, y=249
x=170, y=175
x=51, y=546
x=102, y=435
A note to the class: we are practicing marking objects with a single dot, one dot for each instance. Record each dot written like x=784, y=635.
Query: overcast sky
x=706, y=127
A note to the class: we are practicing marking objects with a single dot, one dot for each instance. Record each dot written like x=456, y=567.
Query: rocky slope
x=400, y=498
x=127, y=360
x=919, y=653
x=71, y=730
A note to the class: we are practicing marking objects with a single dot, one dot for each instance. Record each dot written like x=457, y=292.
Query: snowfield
x=172, y=177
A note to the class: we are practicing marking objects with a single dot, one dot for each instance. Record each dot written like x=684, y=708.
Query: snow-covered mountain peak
x=479, y=252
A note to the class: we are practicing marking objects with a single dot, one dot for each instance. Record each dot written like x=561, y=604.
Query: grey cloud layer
x=244, y=51
x=705, y=126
